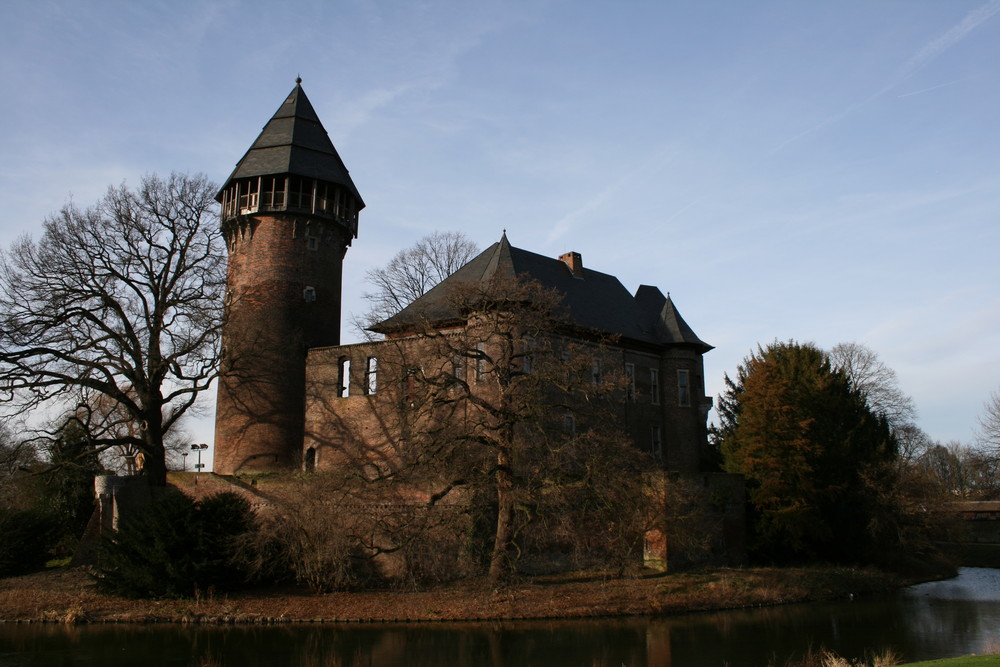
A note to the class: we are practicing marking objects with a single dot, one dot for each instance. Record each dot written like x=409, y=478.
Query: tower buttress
x=289, y=213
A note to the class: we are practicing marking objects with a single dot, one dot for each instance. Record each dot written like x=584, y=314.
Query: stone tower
x=289, y=213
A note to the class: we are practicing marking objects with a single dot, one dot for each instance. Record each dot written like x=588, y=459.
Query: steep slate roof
x=295, y=142
x=597, y=301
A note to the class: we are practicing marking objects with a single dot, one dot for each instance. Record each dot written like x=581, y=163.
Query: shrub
x=26, y=539
x=176, y=547
x=315, y=542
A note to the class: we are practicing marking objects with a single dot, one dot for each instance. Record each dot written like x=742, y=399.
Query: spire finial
x=298, y=79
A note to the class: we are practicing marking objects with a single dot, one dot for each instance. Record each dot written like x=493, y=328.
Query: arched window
x=309, y=462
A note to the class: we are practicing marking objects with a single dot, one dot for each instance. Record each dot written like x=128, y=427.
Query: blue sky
x=824, y=172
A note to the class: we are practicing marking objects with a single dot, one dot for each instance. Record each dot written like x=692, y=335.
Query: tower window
x=273, y=195
x=322, y=198
x=309, y=294
x=300, y=193
x=684, y=388
x=654, y=386
x=312, y=243
x=248, y=192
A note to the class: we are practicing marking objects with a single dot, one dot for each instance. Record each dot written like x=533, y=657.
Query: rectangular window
x=656, y=442
x=248, y=195
x=371, y=375
x=300, y=193
x=480, y=361
x=630, y=381
x=410, y=385
x=595, y=372
x=684, y=388
x=344, y=378
x=274, y=192
x=569, y=425
x=528, y=359
x=322, y=198
x=458, y=367
x=654, y=386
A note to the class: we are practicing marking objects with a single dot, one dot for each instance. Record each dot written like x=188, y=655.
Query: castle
x=291, y=396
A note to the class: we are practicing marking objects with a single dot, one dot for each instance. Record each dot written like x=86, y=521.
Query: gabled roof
x=595, y=301
x=295, y=142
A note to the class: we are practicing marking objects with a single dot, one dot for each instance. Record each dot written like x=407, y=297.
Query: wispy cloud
x=925, y=55
x=654, y=162
x=936, y=47
x=930, y=88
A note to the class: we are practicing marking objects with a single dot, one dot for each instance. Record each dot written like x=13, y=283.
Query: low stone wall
x=982, y=519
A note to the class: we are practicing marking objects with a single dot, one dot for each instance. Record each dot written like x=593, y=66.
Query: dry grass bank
x=67, y=595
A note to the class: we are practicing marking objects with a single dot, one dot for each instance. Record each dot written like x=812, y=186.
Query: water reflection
x=926, y=622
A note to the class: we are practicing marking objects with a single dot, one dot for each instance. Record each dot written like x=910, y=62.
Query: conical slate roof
x=661, y=313
x=595, y=301
x=295, y=142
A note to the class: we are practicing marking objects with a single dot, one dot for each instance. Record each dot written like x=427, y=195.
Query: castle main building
x=291, y=397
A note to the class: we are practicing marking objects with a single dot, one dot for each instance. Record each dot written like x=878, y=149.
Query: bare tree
x=413, y=271
x=876, y=381
x=123, y=301
x=989, y=423
x=17, y=460
x=107, y=420
x=506, y=415
x=912, y=442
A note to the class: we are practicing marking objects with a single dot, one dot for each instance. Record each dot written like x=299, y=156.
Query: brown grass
x=67, y=595
x=825, y=658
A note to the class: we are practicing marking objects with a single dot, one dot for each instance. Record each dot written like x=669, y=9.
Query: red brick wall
x=270, y=324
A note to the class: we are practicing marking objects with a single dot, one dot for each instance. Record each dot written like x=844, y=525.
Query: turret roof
x=295, y=142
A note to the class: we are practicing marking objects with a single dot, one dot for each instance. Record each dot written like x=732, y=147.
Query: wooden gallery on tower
x=292, y=398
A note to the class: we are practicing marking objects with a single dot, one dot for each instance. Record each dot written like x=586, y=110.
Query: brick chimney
x=575, y=263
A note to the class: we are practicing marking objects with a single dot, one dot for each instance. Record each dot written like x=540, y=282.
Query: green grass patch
x=965, y=661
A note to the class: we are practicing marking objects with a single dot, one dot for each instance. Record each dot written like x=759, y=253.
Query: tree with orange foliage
x=808, y=444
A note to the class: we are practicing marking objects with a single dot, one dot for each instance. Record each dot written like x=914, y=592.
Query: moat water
x=935, y=620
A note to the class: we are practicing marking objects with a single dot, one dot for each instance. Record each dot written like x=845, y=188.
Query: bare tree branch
x=876, y=381
x=411, y=272
x=989, y=423
x=122, y=300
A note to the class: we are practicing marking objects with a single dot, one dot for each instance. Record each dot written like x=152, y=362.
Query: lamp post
x=184, y=458
x=199, y=448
